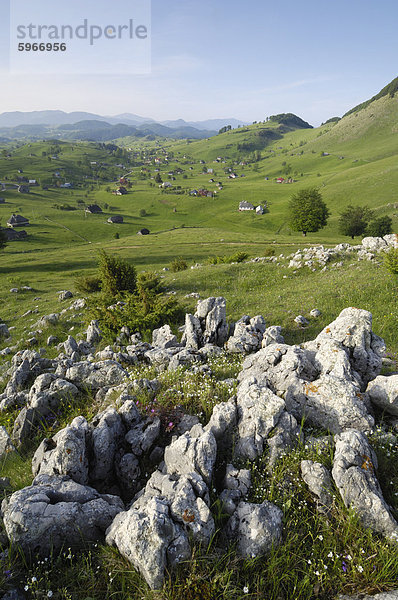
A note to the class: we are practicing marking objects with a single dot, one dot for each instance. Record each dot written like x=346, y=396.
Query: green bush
x=87, y=284
x=391, y=261
x=142, y=212
x=269, y=251
x=380, y=227
x=144, y=310
x=178, y=264
x=238, y=257
x=116, y=275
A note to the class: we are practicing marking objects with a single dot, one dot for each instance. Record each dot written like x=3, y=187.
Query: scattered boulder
x=64, y=295
x=6, y=445
x=150, y=540
x=383, y=393
x=255, y=528
x=56, y=511
x=318, y=480
x=4, y=332
x=248, y=335
x=354, y=472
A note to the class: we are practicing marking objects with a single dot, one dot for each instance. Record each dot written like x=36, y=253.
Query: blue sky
x=229, y=58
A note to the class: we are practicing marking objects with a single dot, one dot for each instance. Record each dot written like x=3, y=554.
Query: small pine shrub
x=391, y=261
x=87, y=284
x=117, y=235
x=178, y=264
x=116, y=275
x=269, y=251
x=142, y=212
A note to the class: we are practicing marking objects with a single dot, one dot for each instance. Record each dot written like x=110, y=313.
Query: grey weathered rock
x=353, y=330
x=353, y=471
x=315, y=313
x=193, y=336
x=223, y=419
x=392, y=595
x=70, y=346
x=272, y=335
x=65, y=454
x=259, y=410
x=128, y=473
x=285, y=436
x=255, y=528
x=56, y=511
x=52, y=340
x=211, y=316
x=96, y=375
x=4, y=332
x=47, y=320
x=94, y=333
x=6, y=445
x=188, y=499
x=23, y=425
x=143, y=435
x=195, y=450
x=184, y=358
x=107, y=434
x=301, y=321
x=64, y=295
x=248, y=335
x=316, y=381
x=318, y=479
x=383, y=393
x=164, y=337
x=149, y=539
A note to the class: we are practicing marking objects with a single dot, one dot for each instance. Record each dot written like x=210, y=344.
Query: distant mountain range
x=93, y=127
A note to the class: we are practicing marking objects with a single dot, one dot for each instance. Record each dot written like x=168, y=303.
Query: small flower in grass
x=34, y=579
x=330, y=555
x=245, y=590
x=49, y=594
x=349, y=557
x=344, y=566
x=7, y=573
x=26, y=588
x=360, y=568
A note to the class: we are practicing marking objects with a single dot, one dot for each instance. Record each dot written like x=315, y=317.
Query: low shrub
x=391, y=261
x=269, y=251
x=178, y=264
x=87, y=284
x=116, y=275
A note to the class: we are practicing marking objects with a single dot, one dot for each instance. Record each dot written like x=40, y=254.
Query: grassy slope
x=49, y=262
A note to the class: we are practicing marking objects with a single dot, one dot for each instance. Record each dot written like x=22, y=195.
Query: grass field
x=352, y=162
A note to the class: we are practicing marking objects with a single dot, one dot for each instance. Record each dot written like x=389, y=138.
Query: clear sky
x=227, y=58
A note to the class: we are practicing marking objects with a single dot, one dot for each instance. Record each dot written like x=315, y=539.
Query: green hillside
x=352, y=161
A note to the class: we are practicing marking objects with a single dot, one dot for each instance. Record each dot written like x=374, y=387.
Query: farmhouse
x=245, y=206
x=66, y=185
x=94, y=209
x=121, y=191
x=260, y=210
x=13, y=236
x=17, y=221
x=280, y=180
x=33, y=182
x=166, y=184
x=115, y=219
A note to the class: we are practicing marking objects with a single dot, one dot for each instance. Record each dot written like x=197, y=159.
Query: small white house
x=260, y=210
x=245, y=206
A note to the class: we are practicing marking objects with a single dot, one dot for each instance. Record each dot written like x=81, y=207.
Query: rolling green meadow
x=351, y=161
